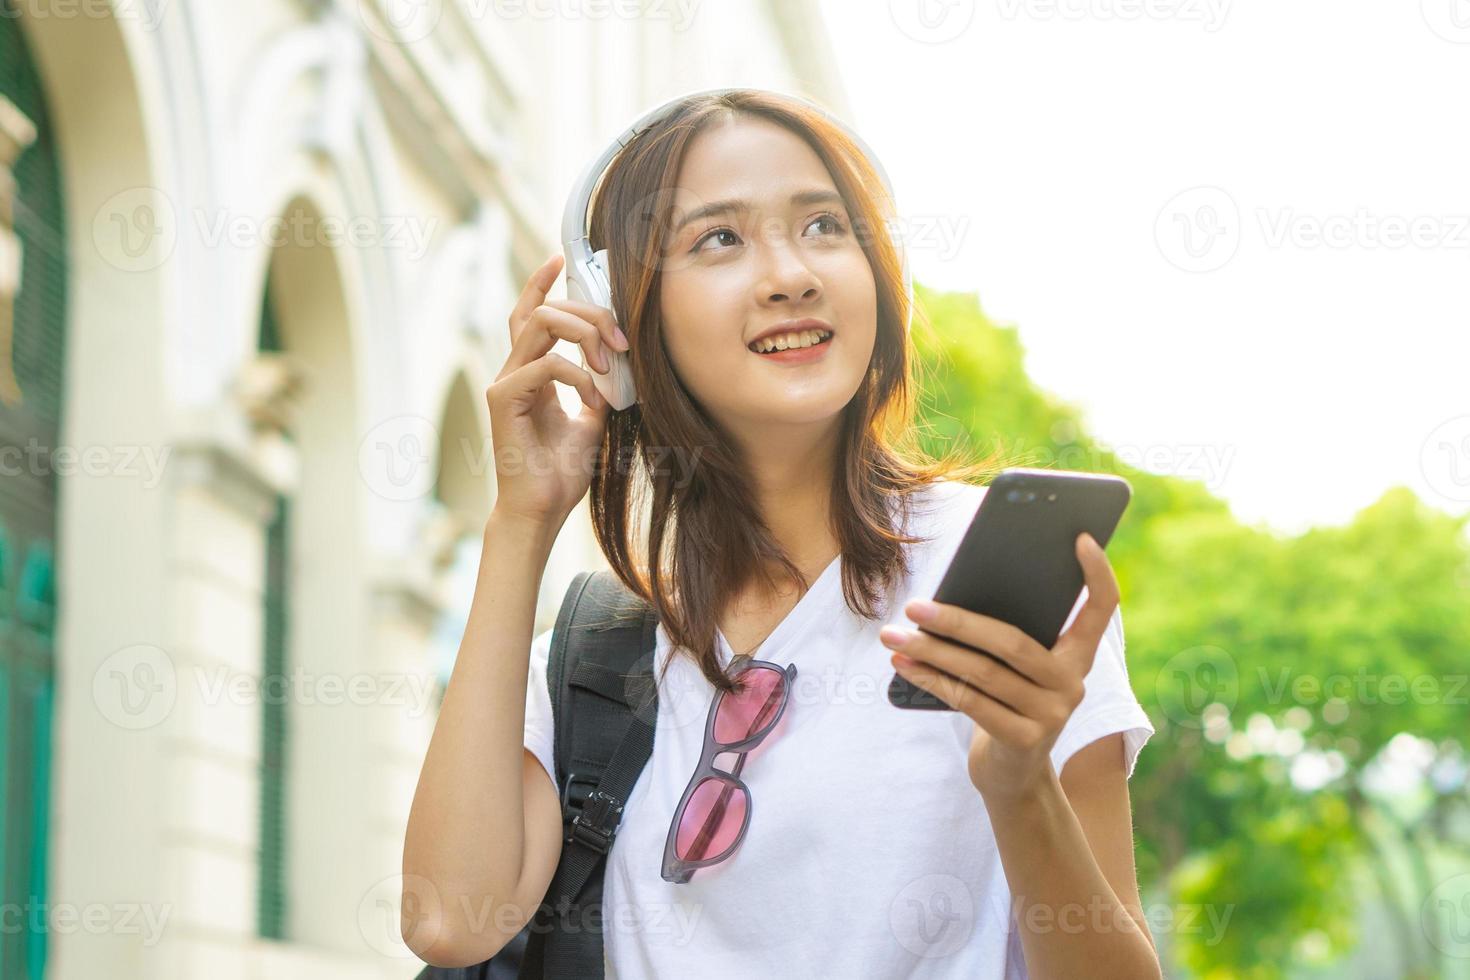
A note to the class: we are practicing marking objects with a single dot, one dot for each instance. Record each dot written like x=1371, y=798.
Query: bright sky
x=1296, y=333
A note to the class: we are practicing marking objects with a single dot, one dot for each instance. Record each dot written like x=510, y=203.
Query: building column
x=226, y=479
x=404, y=611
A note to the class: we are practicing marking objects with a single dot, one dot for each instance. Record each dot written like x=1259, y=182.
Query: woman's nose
x=787, y=275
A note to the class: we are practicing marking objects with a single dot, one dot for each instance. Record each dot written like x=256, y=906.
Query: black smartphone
x=1018, y=560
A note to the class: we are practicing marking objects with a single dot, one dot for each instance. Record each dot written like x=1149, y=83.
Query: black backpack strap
x=605, y=704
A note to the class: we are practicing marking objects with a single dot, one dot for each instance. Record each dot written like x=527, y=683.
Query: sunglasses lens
x=712, y=819
x=752, y=707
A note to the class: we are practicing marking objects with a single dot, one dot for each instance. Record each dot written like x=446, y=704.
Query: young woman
x=990, y=841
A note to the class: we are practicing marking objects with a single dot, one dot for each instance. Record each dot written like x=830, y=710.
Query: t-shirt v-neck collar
x=769, y=648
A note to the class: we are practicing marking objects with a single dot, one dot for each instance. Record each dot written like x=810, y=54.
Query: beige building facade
x=245, y=334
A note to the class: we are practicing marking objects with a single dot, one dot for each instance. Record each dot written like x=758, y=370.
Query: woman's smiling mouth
x=797, y=348
x=794, y=341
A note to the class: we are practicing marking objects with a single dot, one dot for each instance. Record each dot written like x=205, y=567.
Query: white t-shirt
x=869, y=852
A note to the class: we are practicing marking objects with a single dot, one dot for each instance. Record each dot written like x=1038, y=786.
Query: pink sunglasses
x=710, y=821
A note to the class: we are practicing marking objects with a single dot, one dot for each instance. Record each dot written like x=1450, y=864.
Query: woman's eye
x=832, y=222
x=834, y=227
x=699, y=245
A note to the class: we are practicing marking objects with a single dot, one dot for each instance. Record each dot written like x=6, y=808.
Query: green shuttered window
x=29, y=428
x=271, y=899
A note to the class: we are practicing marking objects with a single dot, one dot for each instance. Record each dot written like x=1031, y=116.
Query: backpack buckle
x=596, y=824
x=573, y=798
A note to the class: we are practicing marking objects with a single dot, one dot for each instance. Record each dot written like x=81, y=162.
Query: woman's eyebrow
x=820, y=195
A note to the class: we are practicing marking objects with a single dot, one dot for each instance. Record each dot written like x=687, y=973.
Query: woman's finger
x=978, y=670
x=998, y=638
x=533, y=295
x=525, y=383
x=546, y=326
x=985, y=711
x=599, y=316
x=1078, y=646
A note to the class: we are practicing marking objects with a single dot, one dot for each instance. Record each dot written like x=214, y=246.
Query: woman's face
x=785, y=251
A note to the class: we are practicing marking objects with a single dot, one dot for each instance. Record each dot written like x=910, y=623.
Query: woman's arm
x=1067, y=849
x=484, y=829
x=1054, y=841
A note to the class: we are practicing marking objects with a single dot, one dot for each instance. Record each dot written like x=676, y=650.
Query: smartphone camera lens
x=1013, y=496
x=1030, y=496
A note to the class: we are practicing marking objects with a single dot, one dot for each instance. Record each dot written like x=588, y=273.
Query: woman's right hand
x=543, y=457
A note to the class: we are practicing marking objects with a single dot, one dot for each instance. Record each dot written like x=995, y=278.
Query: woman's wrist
x=532, y=536
x=1027, y=800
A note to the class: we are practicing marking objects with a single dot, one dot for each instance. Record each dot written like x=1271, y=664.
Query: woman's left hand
x=1020, y=701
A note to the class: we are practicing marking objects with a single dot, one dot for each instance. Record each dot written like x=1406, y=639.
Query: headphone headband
x=574, y=218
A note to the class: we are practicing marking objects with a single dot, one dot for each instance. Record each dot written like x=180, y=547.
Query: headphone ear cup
x=591, y=285
x=603, y=282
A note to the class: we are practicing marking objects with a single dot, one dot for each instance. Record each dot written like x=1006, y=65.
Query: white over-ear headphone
x=587, y=273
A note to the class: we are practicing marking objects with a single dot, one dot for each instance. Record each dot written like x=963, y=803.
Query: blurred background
x=255, y=265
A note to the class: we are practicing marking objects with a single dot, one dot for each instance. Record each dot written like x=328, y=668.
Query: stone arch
x=114, y=405
x=325, y=633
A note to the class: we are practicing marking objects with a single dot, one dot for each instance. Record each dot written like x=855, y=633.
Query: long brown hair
x=706, y=534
